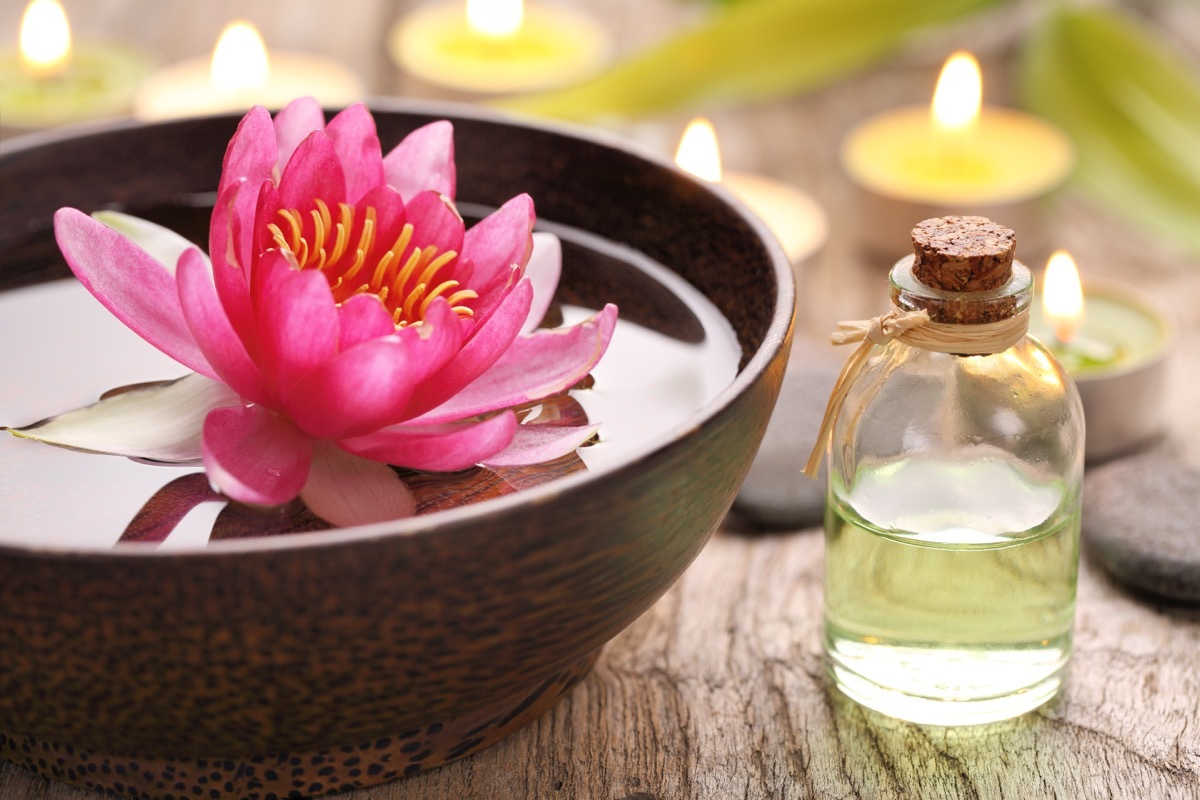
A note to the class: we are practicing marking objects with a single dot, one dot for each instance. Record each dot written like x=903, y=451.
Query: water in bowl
x=671, y=354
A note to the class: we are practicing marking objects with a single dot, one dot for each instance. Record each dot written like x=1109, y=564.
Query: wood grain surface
x=719, y=690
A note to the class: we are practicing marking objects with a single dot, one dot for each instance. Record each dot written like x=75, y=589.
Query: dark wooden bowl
x=323, y=661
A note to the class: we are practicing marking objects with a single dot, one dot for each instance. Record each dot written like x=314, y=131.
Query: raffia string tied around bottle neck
x=952, y=254
x=916, y=330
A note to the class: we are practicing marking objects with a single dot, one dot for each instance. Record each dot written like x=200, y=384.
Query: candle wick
x=1064, y=332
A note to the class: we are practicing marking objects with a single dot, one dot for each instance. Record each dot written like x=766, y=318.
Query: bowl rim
x=775, y=338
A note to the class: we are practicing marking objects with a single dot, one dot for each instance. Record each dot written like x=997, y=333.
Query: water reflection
x=159, y=517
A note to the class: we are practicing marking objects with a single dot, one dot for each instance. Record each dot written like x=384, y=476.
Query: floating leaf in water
x=748, y=50
x=1132, y=106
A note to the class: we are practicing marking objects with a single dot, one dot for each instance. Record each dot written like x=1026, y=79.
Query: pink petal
x=251, y=155
x=130, y=283
x=313, y=171
x=354, y=393
x=297, y=320
x=534, y=367
x=543, y=271
x=499, y=240
x=361, y=318
x=164, y=244
x=347, y=490
x=254, y=456
x=534, y=444
x=486, y=346
x=424, y=160
x=357, y=145
x=257, y=220
x=436, y=448
x=493, y=298
x=229, y=247
x=434, y=342
x=271, y=269
x=250, y=162
x=435, y=222
x=210, y=325
x=293, y=123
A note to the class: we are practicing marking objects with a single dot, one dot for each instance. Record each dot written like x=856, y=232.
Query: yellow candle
x=49, y=81
x=953, y=157
x=1012, y=157
x=499, y=46
x=792, y=216
x=1114, y=342
x=241, y=74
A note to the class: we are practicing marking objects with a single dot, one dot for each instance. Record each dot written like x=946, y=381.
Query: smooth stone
x=776, y=495
x=1139, y=523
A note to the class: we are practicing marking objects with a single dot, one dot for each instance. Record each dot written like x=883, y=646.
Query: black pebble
x=776, y=495
x=1140, y=524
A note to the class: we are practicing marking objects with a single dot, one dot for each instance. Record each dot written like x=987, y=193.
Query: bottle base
x=937, y=686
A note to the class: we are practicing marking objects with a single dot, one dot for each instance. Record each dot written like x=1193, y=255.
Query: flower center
x=404, y=277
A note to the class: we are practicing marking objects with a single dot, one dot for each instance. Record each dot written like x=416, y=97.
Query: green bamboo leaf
x=748, y=50
x=1132, y=106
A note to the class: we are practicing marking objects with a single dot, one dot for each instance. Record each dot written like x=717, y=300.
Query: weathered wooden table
x=719, y=690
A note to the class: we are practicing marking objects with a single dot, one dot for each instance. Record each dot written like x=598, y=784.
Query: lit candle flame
x=239, y=61
x=698, y=152
x=45, y=39
x=1062, y=296
x=496, y=19
x=959, y=93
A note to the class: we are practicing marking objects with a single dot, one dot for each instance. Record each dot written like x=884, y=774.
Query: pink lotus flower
x=347, y=320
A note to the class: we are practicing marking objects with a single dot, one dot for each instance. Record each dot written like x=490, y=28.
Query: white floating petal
x=159, y=422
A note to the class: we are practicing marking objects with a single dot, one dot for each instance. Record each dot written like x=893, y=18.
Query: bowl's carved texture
x=295, y=774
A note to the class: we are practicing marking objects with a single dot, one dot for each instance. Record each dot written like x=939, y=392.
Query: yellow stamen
x=368, y=234
x=458, y=297
x=412, y=298
x=326, y=218
x=277, y=236
x=439, y=262
x=343, y=232
x=318, y=229
x=410, y=266
x=381, y=269
x=328, y=244
x=403, y=239
x=359, y=259
x=293, y=219
x=429, y=298
x=393, y=255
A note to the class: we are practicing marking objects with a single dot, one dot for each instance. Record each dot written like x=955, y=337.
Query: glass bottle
x=953, y=508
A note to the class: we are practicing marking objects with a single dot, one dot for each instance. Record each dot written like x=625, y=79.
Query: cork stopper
x=962, y=254
x=962, y=272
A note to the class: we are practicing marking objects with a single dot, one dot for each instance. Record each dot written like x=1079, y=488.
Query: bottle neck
x=961, y=308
